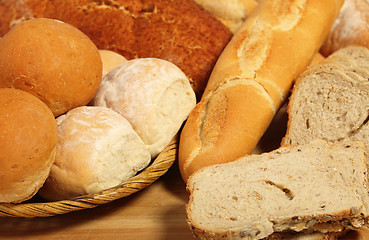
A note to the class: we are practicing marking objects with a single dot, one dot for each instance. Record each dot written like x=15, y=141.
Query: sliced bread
x=330, y=101
x=314, y=187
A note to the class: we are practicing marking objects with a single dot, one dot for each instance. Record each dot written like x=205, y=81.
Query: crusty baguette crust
x=179, y=31
x=251, y=80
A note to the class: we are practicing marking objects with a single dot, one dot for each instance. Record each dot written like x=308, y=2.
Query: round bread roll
x=52, y=60
x=28, y=137
x=154, y=95
x=351, y=27
x=97, y=150
x=110, y=60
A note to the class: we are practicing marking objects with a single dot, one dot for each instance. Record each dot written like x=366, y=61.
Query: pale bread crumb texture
x=98, y=149
x=331, y=100
x=154, y=95
x=291, y=189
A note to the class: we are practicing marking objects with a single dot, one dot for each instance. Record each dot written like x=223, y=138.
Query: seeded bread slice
x=331, y=100
x=314, y=187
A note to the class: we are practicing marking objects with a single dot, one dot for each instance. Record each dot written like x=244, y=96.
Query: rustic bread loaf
x=231, y=13
x=97, y=149
x=52, y=60
x=331, y=100
x=154, y=95
x=179, y=31
x=350, y=28
x=28, y=137
x=251, y=80
x=315, y=187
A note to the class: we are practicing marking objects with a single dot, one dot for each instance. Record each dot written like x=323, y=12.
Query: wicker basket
x=44, y=209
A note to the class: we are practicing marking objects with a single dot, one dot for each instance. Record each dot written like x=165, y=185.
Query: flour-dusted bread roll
x=97, y=149
x=28, y=138
x=154, y=95
x=350, y=28
x=52, y=60
x=110, y=60
x=316, y=187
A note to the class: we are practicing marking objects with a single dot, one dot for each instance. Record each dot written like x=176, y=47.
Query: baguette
x=251, y=80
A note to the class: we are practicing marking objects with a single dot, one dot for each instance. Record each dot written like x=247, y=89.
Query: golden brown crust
x=110, y=60
x=318, y=58
x=274, y=45
x=179, y=31
x=52, y=60
x=28, y=136
x=223, y=111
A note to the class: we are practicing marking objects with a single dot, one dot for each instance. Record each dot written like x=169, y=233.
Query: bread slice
x=314, y=187
x=331, y=100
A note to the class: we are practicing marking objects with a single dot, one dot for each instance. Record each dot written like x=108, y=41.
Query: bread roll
x=231, y=13
x=154, y=95
x=178, y=31
x=350, y=28
x=52, y=60
x=252, y=79
x=97, y=149
x=110, y=60
x=28, y=137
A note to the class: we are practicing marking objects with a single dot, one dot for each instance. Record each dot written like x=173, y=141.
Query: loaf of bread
x=331, y=100
x=350, y=28
x=179, y=31
x=314, y=187
x=231, y=13
x=97, y=149
x=28, y=137
x=154, y=95
x=251, y=80
x=52, y=60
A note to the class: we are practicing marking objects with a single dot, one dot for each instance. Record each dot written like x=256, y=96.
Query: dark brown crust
x=179, y=31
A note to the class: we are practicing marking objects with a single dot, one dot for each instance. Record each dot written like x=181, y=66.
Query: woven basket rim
x=159, y=166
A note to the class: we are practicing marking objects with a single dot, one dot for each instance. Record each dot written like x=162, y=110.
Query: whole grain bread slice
x=331, y=100
x=314, y=187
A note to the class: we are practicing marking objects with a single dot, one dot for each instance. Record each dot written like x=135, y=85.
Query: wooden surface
x=155, y=213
